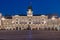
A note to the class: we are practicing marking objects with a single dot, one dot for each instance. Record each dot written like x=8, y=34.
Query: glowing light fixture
x=53, y=18
x=44, y=22
x=3, y=18
x=12, y=21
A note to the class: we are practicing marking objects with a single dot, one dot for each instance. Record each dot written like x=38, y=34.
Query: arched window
x=29, y=19
x=29, y=22
x=52, y=28
x=19, y=28
x=16, y=28
x=48, y=28
x=56, y=29
x=16, y=22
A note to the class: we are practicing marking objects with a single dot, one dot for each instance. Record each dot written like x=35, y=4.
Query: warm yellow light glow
x=16, y=15
x=3, y=18
x=53, y=18
x=44, y=22
x=12, y=21
x=42, y=15
x=8, y=27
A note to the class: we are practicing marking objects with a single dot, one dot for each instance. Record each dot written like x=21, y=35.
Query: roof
x=8, y=17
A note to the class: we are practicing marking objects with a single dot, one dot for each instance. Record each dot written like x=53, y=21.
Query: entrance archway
x=13, y=28
x=16, y=28
x=49, y=28
x=28, y=28
x=39, y=28
x=3, y=29
x=45, y=28
x=56, y=29
x=52, y=28
x=34, y=29
x=19, y=28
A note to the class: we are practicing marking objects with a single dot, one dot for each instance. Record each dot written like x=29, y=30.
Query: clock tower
x=29, y=12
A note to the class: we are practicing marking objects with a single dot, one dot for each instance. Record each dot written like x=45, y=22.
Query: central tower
x=29, y=12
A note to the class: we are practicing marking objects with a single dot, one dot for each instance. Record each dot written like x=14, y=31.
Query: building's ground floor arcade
x=31, y=27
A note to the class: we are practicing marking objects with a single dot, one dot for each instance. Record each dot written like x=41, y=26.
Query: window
x=16, y=19
x=42, y=19
x=16, y=22
x=29, y=22
x=29, y=19
x=42, y=22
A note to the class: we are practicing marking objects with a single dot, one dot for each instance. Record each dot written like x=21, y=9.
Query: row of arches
x=29, y=28
x=17, y=28
x=53, y=29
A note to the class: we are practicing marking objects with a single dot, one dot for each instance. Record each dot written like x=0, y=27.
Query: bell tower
x=29, y=12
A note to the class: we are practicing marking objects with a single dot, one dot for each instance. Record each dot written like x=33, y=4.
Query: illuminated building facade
x=29, y=22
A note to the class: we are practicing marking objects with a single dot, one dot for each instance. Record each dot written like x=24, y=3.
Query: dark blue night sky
x=13, y=7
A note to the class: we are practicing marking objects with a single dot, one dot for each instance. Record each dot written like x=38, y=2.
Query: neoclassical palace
x=29, y=22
